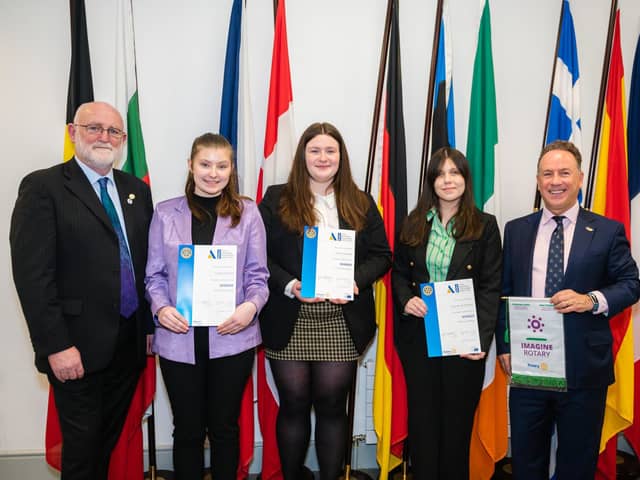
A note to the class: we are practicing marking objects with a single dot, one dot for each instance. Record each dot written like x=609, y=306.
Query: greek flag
x=564, y=114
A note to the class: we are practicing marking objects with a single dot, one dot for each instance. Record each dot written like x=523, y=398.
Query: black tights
x=325, y=385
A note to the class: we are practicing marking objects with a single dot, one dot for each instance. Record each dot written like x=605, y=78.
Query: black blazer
x=284, y=252
x=480, y=260
x=66, y=262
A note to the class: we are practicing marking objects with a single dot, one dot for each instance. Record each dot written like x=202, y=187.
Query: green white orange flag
x=489, y=435
x=611, y=199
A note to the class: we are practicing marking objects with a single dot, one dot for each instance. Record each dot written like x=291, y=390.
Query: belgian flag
x=80, y=82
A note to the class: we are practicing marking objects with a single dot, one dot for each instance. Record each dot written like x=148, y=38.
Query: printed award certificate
x=451, y=322
x=328, y=257
x=536, y=330
x=206, y=283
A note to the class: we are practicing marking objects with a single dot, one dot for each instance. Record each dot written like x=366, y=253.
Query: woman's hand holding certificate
x=238, y=321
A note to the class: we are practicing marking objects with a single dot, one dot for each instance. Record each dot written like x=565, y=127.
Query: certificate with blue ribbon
x=451, y=322
x=328, y=257
x=206, y=284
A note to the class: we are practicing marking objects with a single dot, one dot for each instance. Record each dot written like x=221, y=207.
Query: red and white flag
x=279, y=147
x=279, y=138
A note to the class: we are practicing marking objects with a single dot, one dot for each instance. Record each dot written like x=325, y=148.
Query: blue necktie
x=555, y=261
x=128, y=293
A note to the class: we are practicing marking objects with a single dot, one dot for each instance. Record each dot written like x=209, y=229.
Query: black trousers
x=92, y=410
x=205, y=399
x=442, y=396
x=578, y=415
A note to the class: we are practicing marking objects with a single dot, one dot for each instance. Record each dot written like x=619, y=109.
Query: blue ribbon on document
x=309, y=259
x=184, y=297
x=431, y=325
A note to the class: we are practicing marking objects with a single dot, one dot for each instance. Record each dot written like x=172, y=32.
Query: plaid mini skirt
x=320, y=334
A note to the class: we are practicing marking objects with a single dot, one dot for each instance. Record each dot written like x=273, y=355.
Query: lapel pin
x=131, y=198
x=589, y=229
x=469, y=267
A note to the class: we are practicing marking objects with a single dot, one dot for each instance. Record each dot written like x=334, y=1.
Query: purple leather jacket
x=170, y=227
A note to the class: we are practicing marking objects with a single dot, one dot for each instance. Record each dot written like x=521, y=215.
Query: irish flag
x=489, y=435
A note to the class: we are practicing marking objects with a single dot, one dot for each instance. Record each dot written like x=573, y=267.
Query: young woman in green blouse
x=445, y=237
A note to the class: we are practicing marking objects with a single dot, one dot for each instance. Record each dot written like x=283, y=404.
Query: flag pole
x=430, y=92
x=538, y=198
x=349, y=473
x=384, y=54
x=593, y=164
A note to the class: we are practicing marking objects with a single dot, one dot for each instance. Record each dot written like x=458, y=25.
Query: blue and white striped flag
x=564, y=114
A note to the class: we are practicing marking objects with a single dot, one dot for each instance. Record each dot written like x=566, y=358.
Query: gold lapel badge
x=131, y=198
x=589, y=229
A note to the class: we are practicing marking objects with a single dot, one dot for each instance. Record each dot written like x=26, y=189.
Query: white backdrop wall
x=334, y=49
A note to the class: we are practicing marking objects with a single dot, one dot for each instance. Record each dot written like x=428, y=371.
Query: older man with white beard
x=79, y=248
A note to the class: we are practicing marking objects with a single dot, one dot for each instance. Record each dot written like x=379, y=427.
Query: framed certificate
x=206, y=284
x=536, y=332
x=328, y=257
x=451, y=322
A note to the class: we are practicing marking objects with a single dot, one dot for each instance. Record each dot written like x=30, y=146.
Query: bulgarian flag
x=611, y=199
x=389, y=188
x=489, y=435
x=279, y=146
x=127, y=456
x=127, y=92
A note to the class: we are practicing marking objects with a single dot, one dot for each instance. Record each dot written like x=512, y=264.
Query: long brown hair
x=467, y=225
x=230, y=204
x=296, y=200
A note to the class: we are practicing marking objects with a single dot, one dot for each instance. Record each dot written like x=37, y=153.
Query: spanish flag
x=611, y=198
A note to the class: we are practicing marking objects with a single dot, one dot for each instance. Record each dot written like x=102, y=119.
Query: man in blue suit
x=596, y=278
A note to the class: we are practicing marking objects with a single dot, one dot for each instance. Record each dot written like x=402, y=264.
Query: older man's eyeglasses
x=97, y=130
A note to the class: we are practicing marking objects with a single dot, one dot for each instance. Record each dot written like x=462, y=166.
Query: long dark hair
x=296, y=200
x=230, y=204
x=467, y=225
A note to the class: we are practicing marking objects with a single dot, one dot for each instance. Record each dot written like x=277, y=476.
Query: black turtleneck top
x=202, y=232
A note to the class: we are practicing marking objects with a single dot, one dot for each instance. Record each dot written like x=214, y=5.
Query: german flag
x=389, y=394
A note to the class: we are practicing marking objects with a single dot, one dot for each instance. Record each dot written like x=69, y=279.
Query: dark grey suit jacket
x=66, y=262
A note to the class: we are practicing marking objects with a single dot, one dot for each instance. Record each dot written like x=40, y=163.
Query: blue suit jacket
x=599, y=259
